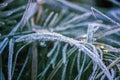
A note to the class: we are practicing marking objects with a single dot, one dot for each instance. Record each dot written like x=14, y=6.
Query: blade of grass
x=82, y=67
x=48, y=18
x=41, y=75
x=34, y=60
x=53, y=49
x=53, y=61
x=13, y=11
x=10, y=58
x=16, y=57
x=107, y=32
x=3, y=44
x=64, y=53
x=24, y=65
x=53, y=20
x=39, y=13
x=78, y=60
x=116, y=2
x=93, y=9
x=87, y=67
x=72, y=66
x=73, y=6
x=80, y=18
x=64, y=71
x=90, y=32
x=94, y=73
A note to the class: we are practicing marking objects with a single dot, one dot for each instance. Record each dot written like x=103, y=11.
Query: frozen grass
x=65, y=41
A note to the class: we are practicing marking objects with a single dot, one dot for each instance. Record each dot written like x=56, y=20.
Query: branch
x=52, y=36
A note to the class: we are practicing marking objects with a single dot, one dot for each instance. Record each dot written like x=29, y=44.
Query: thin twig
x=39, y=13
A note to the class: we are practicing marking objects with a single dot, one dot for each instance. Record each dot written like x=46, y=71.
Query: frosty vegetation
x=66, y=41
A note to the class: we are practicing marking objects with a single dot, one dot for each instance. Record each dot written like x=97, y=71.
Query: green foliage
x=67, y=41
